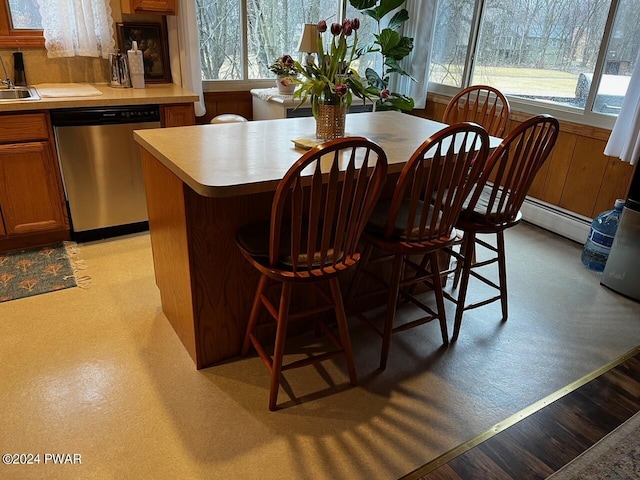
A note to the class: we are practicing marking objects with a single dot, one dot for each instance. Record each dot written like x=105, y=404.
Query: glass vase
x=331, y=117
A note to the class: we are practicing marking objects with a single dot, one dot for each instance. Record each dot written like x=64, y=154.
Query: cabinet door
x=31, y=194
x=177, y=115
x=165, y=7
x=3, y=232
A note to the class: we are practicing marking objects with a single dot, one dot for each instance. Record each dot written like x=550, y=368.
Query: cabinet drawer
x=23, y=127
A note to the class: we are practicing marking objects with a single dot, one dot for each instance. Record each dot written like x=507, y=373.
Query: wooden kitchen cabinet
x=177, y=115
x=162, y=7
x=32, y=201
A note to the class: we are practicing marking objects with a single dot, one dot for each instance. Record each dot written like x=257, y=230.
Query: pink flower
x=287, y=61
x=347, y=27
x=341, y=89
x=336, y=29
x=384, y=94
x=322, y=26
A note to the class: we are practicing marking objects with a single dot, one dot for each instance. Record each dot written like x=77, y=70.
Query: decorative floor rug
x=39, y=270
x=615, y=457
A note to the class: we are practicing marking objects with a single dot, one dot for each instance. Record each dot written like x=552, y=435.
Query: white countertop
x=151, y=94
x=243, y=158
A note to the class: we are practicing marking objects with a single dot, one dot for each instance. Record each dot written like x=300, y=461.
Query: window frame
x=533, y=107
x=10, y=37
x=246, y=83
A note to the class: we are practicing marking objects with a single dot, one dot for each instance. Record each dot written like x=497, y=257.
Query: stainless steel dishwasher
x=101, y=168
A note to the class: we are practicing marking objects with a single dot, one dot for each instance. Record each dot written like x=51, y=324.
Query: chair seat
x=484, y=216
x=228, y=118
x=378, y=221
x=254, y=240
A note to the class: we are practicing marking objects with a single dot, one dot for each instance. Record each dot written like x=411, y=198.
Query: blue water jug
x=598, y=245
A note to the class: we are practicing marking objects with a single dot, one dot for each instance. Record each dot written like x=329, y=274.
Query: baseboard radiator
x=557, y=220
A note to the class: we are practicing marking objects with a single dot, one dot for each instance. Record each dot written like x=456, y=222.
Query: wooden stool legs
x=278, y=351
x=275, y=363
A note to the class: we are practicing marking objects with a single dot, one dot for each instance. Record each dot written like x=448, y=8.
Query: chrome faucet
x=8, y=81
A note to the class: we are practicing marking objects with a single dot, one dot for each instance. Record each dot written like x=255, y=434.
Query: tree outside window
x=25, y=15
x=273, y=28
x=541, y=50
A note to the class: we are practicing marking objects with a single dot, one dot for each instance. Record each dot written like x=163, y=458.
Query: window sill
x=521, y=106
x=235, y=85
x=27, y=41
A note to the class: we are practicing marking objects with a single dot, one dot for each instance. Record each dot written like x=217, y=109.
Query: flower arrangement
x=330, y=79
x=284, y=66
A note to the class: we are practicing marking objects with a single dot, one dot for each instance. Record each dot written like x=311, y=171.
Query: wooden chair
x=481, y=104
x=405, y=224
x=484, y=105
x=511, y=170
x=318, y=214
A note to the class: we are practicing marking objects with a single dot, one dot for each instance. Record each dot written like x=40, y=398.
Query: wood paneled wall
x=578, y=177
x=218, y=103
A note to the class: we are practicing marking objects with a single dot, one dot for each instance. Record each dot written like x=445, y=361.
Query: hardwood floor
x=550, y=437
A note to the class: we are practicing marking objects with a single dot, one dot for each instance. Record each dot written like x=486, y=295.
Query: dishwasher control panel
x=105, y=115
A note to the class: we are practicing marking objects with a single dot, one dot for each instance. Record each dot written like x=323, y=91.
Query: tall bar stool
x=319, y=211
x=481, y=104
x=511, y=170
x=228, y=118
x=445, y=168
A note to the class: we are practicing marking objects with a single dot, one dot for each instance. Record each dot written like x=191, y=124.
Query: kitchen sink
x=19, y=93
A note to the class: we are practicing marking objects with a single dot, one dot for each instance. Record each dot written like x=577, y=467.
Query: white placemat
x=53, y=90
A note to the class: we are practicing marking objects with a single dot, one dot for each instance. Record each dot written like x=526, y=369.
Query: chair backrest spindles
x=512, y=168
x=331, y=197
x=435, y=182
x=481, y=104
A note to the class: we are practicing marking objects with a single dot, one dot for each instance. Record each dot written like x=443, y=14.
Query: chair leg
x=394, y=287
x=341, y=319
x=253, y=317
x=437, y=287
x=423, y=266
x=502, y=274
x=357, y=276
x=456, y=277
x=468, y=248
x=458, y=272
x=278, y=351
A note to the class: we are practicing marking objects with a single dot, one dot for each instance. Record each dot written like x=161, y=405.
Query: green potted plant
x=393, y=46
x=286, y=72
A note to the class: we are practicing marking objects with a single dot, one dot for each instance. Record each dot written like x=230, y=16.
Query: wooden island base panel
x=203, y=183
x=205, y=283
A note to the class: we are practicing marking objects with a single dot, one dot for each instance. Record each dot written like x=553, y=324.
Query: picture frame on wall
x=153, y=42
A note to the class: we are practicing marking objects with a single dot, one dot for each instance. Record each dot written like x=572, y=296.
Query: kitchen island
x=204, y=182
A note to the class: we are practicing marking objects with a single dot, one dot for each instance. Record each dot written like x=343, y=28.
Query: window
x=25, y=14
x=540, y=51
x=240, y=46
x=20, y=24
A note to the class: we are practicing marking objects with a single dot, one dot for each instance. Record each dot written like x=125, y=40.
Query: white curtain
x=184, y=51
x=624, y=141
x=422, y=18
x=77, y=28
